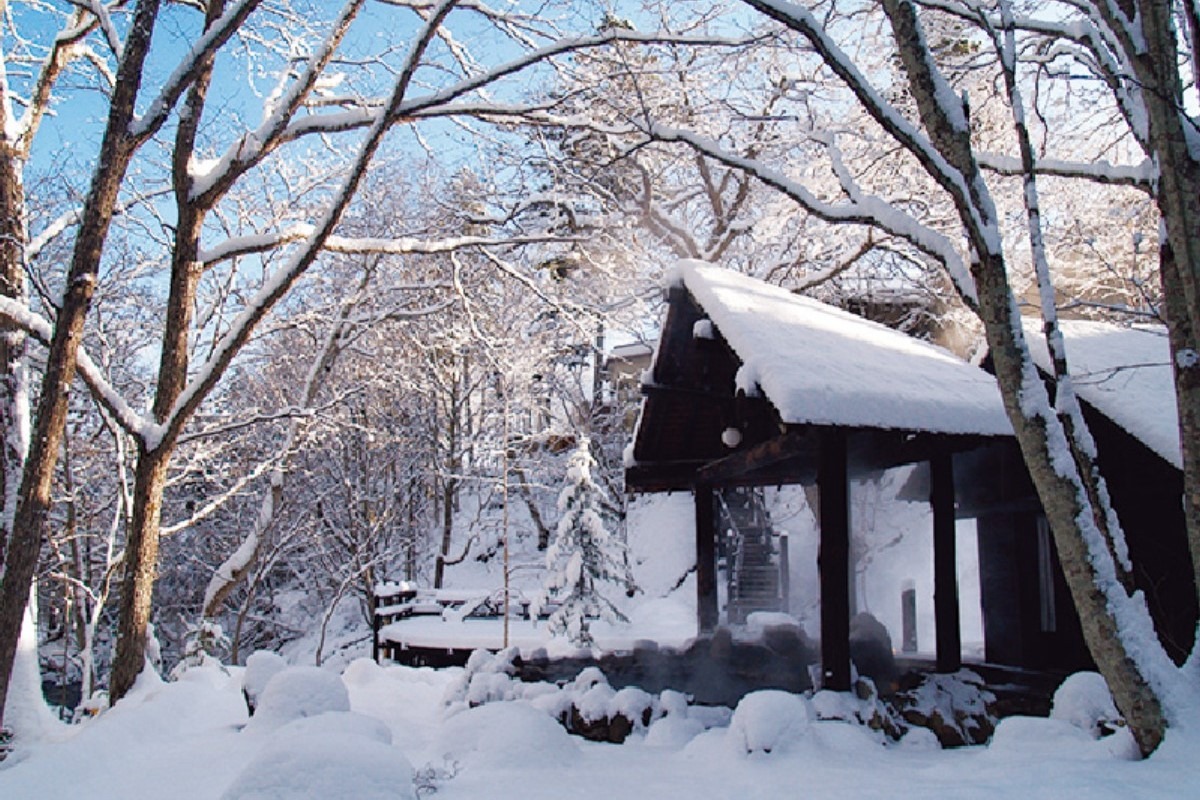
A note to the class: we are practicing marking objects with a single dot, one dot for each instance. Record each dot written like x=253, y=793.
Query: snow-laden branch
x=1140, y=176
x=802, y=21
x=860, y=210
x=228, y=346
x=19, y=132
x=218, y=502
x=440, y=103
x=209, y=43
x=68, y=219
x=104, y=19
x=104, y=393
x=247, y=245
x=281, y=106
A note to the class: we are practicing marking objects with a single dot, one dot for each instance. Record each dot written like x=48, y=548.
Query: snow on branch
x=439, y=103
x=228, y=346
x=103, y=392
x=1140, y=176
x=212, y=40
x=861, y=210
x=255, y=145
x=247, y=245
x=802, y=21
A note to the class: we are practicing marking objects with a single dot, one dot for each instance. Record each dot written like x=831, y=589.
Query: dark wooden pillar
x=833, y=560
x=945, y=564
x=706, y=560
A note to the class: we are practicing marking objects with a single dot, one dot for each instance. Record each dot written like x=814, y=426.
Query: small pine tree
x=582, y=553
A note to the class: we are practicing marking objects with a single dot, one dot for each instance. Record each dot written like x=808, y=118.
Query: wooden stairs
x=751, y=555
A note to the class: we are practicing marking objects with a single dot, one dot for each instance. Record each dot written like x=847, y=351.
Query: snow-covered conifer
x=583, y=553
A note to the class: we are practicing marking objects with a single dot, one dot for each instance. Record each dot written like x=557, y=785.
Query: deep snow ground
x=190, y=739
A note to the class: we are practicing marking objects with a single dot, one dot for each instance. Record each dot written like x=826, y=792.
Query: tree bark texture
x=150, y=477
x=116, y=150
x=1063, y=496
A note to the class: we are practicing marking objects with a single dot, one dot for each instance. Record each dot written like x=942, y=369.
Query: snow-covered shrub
x=485, y=679
x=204, y=645
x=261, y=666
x=587, y=707
x=1084, y=701
x=503, y=734
x=582, y=553
x=769, y=720
x=862, y=707
x=298, y=692
x=310, y=763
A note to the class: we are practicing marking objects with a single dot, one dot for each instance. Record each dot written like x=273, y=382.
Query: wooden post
x=376, y=624
x=706, y=560
x=908, y=617
x=833, y=560
x=945, y=564
x=785, y=574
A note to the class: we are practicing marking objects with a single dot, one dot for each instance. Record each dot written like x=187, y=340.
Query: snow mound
x=261, y=666
x=673, y=732
x=1084, y=701
x=362, y=672
x=299, y=692
x=339, y=723
x=504, y=734
x=769, y=720
x=1030, y=737
x=312, y=764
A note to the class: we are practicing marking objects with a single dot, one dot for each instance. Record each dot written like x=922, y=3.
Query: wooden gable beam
x=789, y=444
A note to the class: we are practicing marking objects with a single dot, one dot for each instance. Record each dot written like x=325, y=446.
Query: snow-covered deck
x=432, y=632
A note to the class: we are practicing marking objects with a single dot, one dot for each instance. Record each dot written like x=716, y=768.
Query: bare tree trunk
x=450, y=480
x=1155, y=60
x=1064, y=497
x=141, y=564
x=150, y=478
x=116, y=150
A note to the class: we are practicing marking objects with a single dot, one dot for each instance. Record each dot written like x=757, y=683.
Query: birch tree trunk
x=1064, y=485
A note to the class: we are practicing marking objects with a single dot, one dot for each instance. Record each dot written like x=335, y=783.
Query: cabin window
x=1046, y=568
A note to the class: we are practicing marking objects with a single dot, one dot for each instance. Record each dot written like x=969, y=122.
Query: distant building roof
x=1124, y=373
x=820, y=365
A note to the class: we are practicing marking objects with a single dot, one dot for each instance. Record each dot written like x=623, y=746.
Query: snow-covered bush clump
x=261, y=666
x=298, y=692
x=588, y=706
x=676, y=726
x=204, y=644
x=501, y=735
x=584, y=552
x=487, y=678
x=862, y=707
x=315, y=762
x=1084, y=701
x=769, y=720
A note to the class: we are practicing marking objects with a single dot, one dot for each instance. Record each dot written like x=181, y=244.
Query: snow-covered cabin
x=754, y=386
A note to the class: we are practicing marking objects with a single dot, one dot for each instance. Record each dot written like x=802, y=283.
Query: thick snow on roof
x=1122, y=372
x=818, y=364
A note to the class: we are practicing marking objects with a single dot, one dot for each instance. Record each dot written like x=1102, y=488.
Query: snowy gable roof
x=820, y=365
x=1122, y=372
